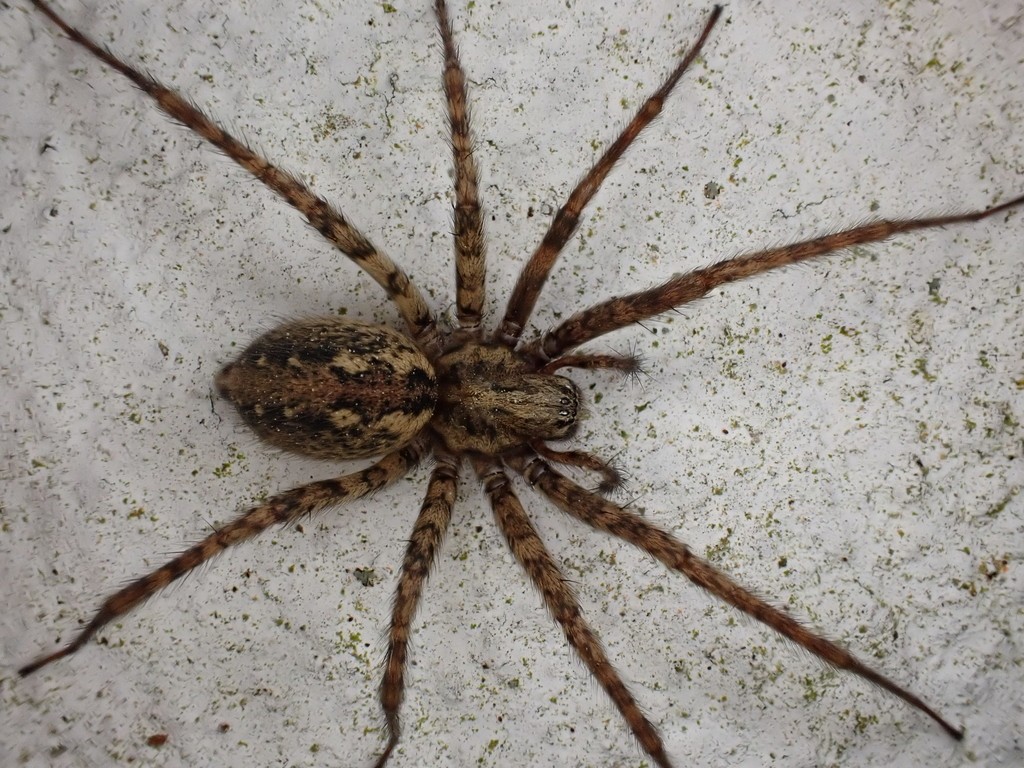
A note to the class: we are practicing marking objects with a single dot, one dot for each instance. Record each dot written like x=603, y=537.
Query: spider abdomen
x=332, y=389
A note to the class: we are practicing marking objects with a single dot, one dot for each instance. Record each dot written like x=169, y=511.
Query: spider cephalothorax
x=340, y=389
x=493, y=401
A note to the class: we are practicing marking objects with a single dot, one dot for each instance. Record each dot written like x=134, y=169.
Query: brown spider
x=339, y=389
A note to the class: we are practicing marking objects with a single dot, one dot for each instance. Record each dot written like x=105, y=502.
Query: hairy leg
x=285, y=507
x=629, y=364
x=623, y=311
x=535, y=273
x=611, y=477
x=321, y=215
x=470, y=262
x=562, y=603
x=605, y=516
x=424, y=545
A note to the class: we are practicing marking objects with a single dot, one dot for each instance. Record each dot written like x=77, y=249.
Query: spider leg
x=623, y=311
x=611, y=476
x=470, y=264
x=629, y=364
x=285, y=507
x=321, y=215
x=427, y=536
x=610, y=518
x=562, y=603
x=535, y=273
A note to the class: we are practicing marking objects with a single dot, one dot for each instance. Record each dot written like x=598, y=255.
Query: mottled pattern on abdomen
x=333, y=389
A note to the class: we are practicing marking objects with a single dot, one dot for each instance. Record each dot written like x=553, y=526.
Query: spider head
x=491, y=401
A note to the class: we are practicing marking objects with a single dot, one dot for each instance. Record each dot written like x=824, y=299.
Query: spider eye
x=556, y=406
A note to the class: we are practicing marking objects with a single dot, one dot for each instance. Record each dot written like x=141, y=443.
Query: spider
x=340, y=389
